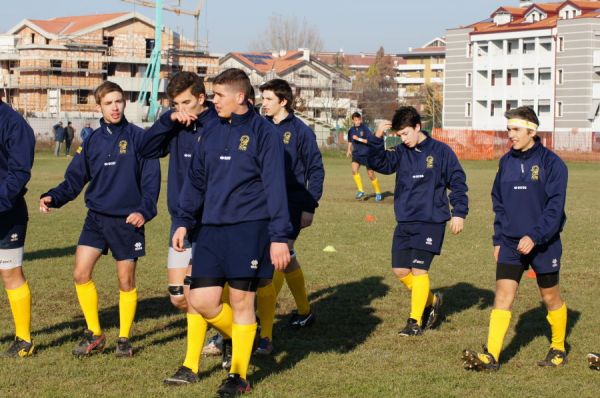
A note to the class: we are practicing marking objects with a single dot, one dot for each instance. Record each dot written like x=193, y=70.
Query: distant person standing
x=59, y=137
x=85, y=132
x=70, y=134
x=357, y=148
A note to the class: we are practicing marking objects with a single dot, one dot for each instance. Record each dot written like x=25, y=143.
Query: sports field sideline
x=354, y=348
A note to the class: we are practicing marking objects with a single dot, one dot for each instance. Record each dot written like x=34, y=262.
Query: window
x=55, y=65
x=528, y=47
x=47, y=41
x=560, y=76
x=108, y=41
x=492, y=108
x=559, y=109
x=509, y=47
x=12, y=65
x=133, y=70
x=202, y=71
x=468, y=109
x=82, y=97
x=561, y=44
x=111, y=68
x=469, y=50
x=176, y=68
x=32, y=38
x=493, y=79
x=83, y=65
x=149, y=47
x=469, y=79
x=508, y=78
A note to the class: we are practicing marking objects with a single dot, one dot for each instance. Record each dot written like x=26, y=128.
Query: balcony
x=410, y=80
x=409, y=67
x=135, y=83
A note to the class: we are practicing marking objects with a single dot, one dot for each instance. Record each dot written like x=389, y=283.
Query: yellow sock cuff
x=499, y=322
x=85, y=287
x=558, y=325
x=19, y=293
x=223, y=321
x=407, y=281
x=293, y=274
x=376, y=186
x=128, y=296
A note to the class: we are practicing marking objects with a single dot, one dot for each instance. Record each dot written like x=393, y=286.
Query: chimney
x=282, y=53
x=305, y=53
x=525, y=3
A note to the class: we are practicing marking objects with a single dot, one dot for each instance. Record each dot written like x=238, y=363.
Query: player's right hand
x=280, y=255
x=496, y=252
x=383, y=126
x=178, y=238
x=183, y=117
x=45, y=204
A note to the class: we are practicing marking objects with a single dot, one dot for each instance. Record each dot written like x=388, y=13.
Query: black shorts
x=13, y=226
x=412, y=258
x=237, y=251
x=360, y=159
x=544, y=259
x=103, y=232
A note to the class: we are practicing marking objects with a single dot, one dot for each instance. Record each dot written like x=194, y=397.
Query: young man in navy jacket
x=121, y=197
x=237, y=177
x=425, y=170
x=17, y=143
x=358, y=138
x=176, y=133
x=304, y=175
x=528, y=197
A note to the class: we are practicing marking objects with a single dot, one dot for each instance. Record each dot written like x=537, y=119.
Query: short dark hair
x=524, y=113
x=184, y=80
x=106, y=88
x=235, y=77
x=282, y=90
x=405, y=116
x=356, y=114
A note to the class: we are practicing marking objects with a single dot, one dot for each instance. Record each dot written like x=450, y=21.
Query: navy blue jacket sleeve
x=76, y=176
x=380, y=160
x=497, y=206
x=193, y=192
x=19, y=143
x=155, y=142
x=552, y=218
x=315, y=173
x=150, y=186
x=457, y=184
x=272, y=170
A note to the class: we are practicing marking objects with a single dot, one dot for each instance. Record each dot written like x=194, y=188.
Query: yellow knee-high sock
x=407, y=281
x=358, y=182
x=20, y=305
x=223, y=321
x=196, y=332
x=295, y=281
x=376, y=186
x=88, y=301
x=558, y=324
x=242, y=340
x=225, y=294
x=127, y=307
x=278, y=278
x=266, y=300
x=420, y=292
x=499, y=322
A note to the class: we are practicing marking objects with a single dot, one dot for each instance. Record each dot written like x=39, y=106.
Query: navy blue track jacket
x=121, y=182
x=304, y=173
x=529, y=194
x=238, y=175
x=17, y=144
x=423, y=176
x=358, y=148
x=167, y=137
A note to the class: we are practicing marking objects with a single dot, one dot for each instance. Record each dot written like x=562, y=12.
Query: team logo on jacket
x=287, y=136
x=79, y=149
x=429, y=162
x=14, y=237
x=254, y=264
x=244, y=141
x=362, y=133
x=535, y=173
x=122, y=147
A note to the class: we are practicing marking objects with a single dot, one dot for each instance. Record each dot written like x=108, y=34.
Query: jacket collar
x=528, y=153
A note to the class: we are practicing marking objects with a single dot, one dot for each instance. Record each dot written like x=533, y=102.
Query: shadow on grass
x=50, y=253
x=384, y=195
x=533, y=324
x=461, y=297
x=150, y=308
x=344, y=321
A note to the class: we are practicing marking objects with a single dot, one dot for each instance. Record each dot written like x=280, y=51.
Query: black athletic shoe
x=19, y=349
x=227, y=352
x=233, y=386
x=554, y=358
x=89, y=344
x=184, y=375
x=412, y=328
x=594, y=361
x=432, y=313
x=124, y=348
x=298, y=321
x=478, y=362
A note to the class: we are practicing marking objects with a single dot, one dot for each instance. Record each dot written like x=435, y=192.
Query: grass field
x=354, y=349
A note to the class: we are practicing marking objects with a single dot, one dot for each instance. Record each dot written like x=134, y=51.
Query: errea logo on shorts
x=14, y=237
x=138, y=246
x=429, y=241
x=254, y=264
x=554, y=263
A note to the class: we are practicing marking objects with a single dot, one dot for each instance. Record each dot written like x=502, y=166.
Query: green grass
x=353, y=350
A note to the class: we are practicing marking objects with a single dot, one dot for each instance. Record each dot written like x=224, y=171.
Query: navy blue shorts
x=236, y=251
x=13, y=226
x=295, y=219
x=421, y=236
x=102, y=232
x=186, y=240
x=544, y=259
x=412, y=258
x=360, y=159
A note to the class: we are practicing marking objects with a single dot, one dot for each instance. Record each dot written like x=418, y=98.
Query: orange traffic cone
x=370, y=218
x=531, y=274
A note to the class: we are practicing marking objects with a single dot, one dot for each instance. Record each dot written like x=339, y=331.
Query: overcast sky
x=231, y=25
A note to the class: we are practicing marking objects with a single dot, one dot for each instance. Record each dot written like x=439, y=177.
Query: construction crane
x=153, y=69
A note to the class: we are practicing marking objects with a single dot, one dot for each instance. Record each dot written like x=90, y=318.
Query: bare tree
x=288, y=33
x=430, y=98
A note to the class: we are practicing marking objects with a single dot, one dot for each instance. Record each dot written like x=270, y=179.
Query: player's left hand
x=280, y=255
x=306, y=219
x=135, y=219
x=525, y=245
x=456, y=225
